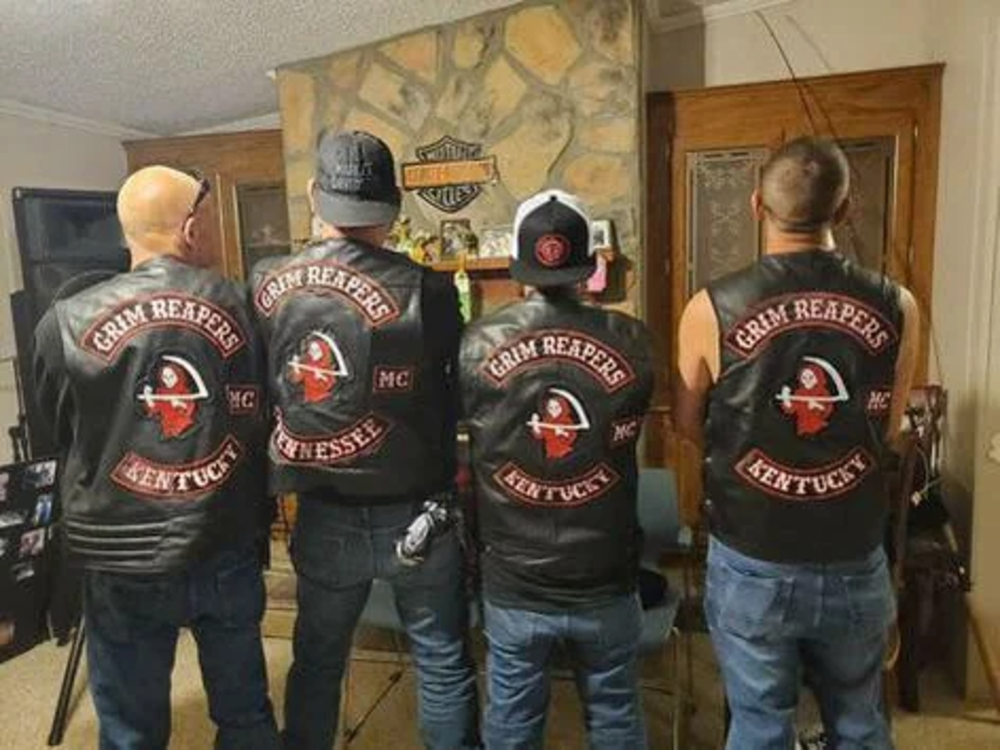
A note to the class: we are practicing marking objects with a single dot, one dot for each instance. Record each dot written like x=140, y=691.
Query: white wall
x=34, y=153
x=823, y=37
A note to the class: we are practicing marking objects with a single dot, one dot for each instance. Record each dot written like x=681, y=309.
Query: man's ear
x=188, y=231
x=757, y=205
x=841, y=213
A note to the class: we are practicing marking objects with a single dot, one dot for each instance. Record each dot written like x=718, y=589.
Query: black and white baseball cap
x=552, y=242
x=355, y=180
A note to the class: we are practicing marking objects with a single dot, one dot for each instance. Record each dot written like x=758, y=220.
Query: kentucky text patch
x=793, y=483
x=175, y=481
x=563, y=493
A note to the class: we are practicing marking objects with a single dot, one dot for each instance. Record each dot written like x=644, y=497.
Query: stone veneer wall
x=550, y=88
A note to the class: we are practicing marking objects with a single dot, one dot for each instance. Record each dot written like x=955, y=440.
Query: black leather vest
x=356, y=405
x=152, y=381
x=796, y=422
x=555, y=393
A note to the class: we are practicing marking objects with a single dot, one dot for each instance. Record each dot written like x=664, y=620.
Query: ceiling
x=170, y=66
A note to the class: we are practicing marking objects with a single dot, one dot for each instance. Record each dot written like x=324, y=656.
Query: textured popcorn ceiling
x=168, y=66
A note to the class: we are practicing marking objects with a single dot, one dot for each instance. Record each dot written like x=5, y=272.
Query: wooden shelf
x=473, y=265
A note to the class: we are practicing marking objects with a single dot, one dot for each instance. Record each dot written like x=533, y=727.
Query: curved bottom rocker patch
x=566, y=493
x=175, y=481
x=363, y=437
x=793, y=483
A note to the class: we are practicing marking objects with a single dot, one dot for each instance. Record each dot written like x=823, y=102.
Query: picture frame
x=455, y=237
x=497, y=242
x=602, y=234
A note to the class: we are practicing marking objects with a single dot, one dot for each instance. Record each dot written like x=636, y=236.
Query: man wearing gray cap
x=361, y=349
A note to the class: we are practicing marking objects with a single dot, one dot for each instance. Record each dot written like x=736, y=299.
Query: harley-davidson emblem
x=450, y=173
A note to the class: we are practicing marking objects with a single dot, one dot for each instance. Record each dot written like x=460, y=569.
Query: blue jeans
x=338, y=550
x=132, y=628
x=603, y=644
x=776, y=625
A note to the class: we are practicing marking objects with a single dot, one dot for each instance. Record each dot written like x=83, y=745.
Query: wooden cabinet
x=248, y=213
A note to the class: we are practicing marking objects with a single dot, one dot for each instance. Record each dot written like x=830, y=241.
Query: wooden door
x=705, y=151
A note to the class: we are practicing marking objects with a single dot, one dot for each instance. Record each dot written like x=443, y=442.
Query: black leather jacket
x=151, y=382
x=361, y=344
x=554, y=394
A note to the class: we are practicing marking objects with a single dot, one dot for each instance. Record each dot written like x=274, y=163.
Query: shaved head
x=153, y=207
x=804, y=184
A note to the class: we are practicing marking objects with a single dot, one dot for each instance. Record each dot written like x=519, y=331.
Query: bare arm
x=906, y=364
x=697, y=369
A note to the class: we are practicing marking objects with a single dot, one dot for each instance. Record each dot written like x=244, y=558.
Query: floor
x=29, y=685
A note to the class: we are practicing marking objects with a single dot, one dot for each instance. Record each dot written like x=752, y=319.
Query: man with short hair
x=555, y=392
x=151, y=384
x=362, y=344
x=804, y=361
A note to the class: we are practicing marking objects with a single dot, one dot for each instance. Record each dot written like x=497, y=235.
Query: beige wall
x=822, y=37
x=34, y=153
x=550, y=88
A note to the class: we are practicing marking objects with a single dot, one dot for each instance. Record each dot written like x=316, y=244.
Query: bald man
x=151, y=382
x=794, y=377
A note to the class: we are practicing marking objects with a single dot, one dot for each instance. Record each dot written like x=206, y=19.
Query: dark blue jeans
x=603, y=644
x=776, y=625
x=132, y=628
x=338, y=550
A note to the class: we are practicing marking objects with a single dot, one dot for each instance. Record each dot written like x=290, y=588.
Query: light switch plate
x=995, y=448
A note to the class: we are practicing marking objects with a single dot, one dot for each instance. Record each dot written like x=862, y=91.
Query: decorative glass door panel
x=263, y=223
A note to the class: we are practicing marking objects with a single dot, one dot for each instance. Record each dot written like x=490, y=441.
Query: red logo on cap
x=552, y=250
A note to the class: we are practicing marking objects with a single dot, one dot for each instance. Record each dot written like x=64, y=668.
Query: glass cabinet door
x=262, y=215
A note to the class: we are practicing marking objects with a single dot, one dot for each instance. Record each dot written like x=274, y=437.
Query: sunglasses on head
x=204, y=188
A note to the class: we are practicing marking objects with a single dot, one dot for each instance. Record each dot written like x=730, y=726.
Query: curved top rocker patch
x=112, y=331
x=748, y=336
x=607, y=366
x=326, y=278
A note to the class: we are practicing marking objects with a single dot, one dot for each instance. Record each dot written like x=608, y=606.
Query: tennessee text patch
x=171, y=481
x=363, y=437
x=326, y=278
x=811, y=310
x=793, y=483
x=566, y=493
x=109, y=333
x=594, y=357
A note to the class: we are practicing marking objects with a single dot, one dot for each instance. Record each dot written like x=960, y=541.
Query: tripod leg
x=66, y=691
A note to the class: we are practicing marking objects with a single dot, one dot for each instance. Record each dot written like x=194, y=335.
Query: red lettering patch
x=362, y=438
x=106, y=337
x=597, y=359
x=393, y=380
x=566, y=493
x=879, y=402
x=178, y=481
x=626, y=430
x=811, y=310
x=325, y=278
x=243, y=399
x=793, y=483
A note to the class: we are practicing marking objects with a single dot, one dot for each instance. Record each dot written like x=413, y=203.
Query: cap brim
x=343, y=211
x=532, y=275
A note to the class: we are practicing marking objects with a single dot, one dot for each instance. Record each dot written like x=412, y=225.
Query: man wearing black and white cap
x=361, y=346
x=555, y=393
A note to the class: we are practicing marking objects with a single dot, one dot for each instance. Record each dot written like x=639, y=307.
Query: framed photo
x=601, y=232
x=497, y=242
x=455, y=234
